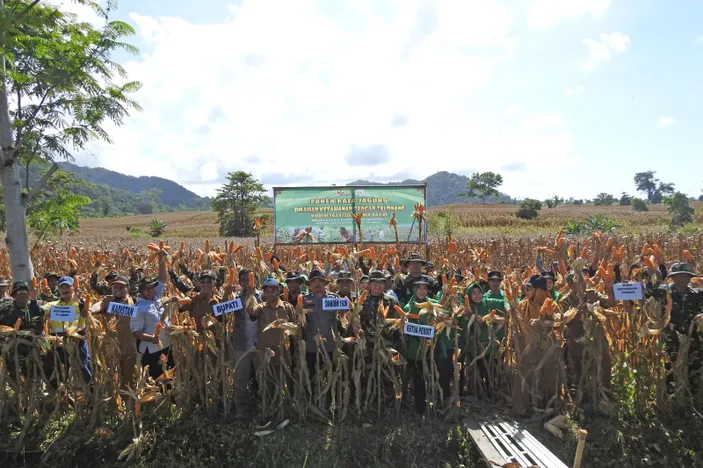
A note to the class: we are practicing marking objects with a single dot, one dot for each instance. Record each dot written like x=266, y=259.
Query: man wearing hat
x=549, y=276
x=201, y=304
x=102, y=287
x=68, y=296
x=22, y=305
x=4, y=288
x=371, y=324
x=149, y=313
x=404, y=285
x=317, y=320
x=345, y=284
x=294, y=283
x=686, y=308
x=263, y=314
x=127, y=343
x=50, y=293
x=495, y=278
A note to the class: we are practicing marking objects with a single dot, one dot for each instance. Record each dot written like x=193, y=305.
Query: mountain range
x=443, y=188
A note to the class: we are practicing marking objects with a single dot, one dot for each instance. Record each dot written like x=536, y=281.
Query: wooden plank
x=484, y=444
x=541, y=455
x=503, y=442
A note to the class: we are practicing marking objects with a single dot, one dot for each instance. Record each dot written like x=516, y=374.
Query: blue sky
x=561, y=97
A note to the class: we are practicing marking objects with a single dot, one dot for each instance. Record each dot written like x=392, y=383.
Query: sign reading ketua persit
x=414, y=329
x=227, y=307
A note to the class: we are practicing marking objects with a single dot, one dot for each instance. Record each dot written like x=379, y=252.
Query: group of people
x=415, y=294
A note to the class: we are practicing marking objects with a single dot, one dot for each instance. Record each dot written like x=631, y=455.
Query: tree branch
x=26, y=10
x=42, y=182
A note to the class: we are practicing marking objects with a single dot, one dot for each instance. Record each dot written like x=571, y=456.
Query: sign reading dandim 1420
x=322, y=215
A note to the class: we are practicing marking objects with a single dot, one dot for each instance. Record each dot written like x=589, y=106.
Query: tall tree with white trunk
x=58, y=87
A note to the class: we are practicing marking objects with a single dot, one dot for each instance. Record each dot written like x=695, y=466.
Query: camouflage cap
x=344, y=276
x=377, y=275
x=682, y=268
x=18, y=285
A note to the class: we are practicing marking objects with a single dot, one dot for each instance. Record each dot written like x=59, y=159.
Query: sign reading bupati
x=123, y=310
x=414, y=329
x=63, y=313
x=335, y=303
x=322, y=215
x=628, y=291
x=227, y=307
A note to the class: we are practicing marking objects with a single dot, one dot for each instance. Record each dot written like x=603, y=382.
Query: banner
x=325, y=214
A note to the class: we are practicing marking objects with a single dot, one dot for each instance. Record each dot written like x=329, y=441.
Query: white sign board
x=63, y=313
x=123, y=310
x=227, y=307
x=628, y=291
x=423, y=331
x=335, y=303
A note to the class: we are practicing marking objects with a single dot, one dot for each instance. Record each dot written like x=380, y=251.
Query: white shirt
x=148, y=315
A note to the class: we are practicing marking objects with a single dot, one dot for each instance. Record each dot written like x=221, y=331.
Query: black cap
x=210, y=274
x=495, y=274
x=17, y=285
x=377, y=275
x=293, y=275
x=317, y=274
x=147, y=281
x=414, y=258
x=50, y=274
x=537, y=282
x=345, y=276
x=121, y=280
x=548, y=275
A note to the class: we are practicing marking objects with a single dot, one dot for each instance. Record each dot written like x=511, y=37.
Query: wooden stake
x=583, y=433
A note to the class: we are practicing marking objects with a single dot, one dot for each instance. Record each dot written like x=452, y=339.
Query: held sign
x=63, y=313
x=227, y=307
x=423, y=331
x=335, y=303
x=628, y=291
x=123, y=310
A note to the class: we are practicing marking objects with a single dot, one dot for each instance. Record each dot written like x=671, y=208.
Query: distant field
x=469, y=219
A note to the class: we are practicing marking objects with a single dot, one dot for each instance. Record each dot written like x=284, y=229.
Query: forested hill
x=443, y=188
x=172, y=194
x=115, y=194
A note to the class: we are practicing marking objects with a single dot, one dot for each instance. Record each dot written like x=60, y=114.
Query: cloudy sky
x=561, y=97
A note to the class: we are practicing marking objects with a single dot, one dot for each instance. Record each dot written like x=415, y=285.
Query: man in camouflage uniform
x=686, y=312
x=404, y=285
x=345, y=285
x=4, y=287
x=370, y=321
x=23, y=305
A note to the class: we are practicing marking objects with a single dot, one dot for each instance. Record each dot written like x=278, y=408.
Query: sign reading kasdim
x=325, y=213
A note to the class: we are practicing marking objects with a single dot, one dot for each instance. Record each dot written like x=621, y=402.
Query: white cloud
x=275, y=100
x=578, y=89
x=603, y=50
x=698, y=40
x=664, y=122
x=546, y=13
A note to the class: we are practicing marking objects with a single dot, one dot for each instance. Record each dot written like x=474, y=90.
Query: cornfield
x=530, y=364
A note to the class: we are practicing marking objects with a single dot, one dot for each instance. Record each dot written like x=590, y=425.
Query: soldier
x=404, y=285
x=103, y=288
x=345, y=284
x=4, y=286
x=370, y=322
x=294, y=283
x=22, y=305
x=686, y=310
x=318, y=320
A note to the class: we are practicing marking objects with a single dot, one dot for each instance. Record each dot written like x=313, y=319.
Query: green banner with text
x=322, y=215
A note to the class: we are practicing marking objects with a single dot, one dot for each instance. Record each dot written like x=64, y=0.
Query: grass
x=466, y=220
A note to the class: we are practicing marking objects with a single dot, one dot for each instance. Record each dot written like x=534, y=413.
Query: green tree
x=236, y=202
x=679, y=209
x=625, y=199
x=553, y=202
x=653, y=187
x=529, y=209
x=59, y=87
x=639, y=205
x=604, y=199
x=483, y=185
